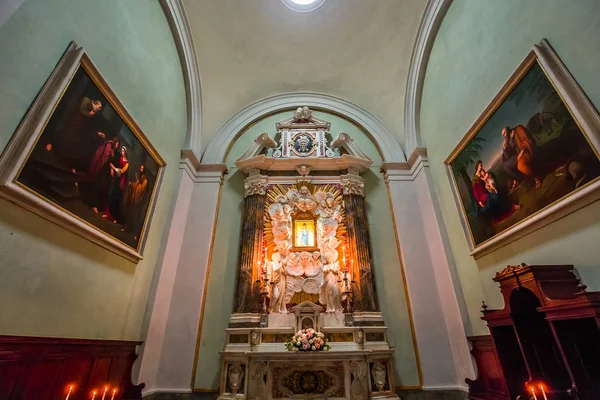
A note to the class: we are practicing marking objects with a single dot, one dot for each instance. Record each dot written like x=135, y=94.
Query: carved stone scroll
x=257, y=388
x=235, y=375
x=255, y=183
x=352, y=183
x=359, y=386
x=379, y=373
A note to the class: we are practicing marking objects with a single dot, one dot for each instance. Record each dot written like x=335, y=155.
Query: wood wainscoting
x=490, y=383
x=43, y=368
x=545, y=341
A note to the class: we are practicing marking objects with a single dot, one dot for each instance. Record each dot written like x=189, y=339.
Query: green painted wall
x=53, y=282
x=479, y=45
x=388, y=279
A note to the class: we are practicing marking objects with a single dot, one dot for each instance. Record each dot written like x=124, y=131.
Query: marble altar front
x=256, y=364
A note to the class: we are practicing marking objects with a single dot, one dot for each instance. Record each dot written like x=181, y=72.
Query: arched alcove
x=218, y=149
x=389, y=283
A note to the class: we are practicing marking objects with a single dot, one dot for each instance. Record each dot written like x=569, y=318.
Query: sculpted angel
x=330, y=290
x=278, y=292
x=328, y=208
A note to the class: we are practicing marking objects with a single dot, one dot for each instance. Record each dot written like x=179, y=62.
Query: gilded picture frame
x=304, y=232
x=531, y=158
x=79, y=159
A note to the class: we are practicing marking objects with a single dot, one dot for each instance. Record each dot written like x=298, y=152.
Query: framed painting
x=304, y=232
x=531, y=158
x=79, y=159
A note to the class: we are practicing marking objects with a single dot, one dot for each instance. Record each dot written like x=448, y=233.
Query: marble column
x=247, y=297
x=364, y=296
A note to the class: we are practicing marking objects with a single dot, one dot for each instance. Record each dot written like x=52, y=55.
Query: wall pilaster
x=176, y=311
x=434, y=294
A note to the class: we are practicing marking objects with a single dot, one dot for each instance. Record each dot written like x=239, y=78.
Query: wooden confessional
x=547, y=335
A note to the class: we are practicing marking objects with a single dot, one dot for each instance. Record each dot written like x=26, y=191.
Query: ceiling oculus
x=303, y=5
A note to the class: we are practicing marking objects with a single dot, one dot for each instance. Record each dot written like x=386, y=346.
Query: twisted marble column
x=364, y=296
x=247, y=298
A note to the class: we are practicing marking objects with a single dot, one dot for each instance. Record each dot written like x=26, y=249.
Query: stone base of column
x=244, y=320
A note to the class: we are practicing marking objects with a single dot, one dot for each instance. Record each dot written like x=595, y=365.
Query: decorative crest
x=302, y=114
x=511, y=269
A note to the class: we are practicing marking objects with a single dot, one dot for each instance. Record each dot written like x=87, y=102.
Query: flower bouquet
x=308, y=340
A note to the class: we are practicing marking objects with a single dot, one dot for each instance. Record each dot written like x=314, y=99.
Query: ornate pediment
x=302, y=145
x=307, y=307
x=303, y=119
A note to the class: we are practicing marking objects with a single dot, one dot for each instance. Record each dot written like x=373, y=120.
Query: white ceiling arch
x=430, y=24
x=387, y=144
x=180, y=28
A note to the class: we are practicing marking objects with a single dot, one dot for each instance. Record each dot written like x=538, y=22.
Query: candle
x=69, y=392
x=543, y=392
x=113, y=394
x=93, y=395
x=105, y=390
x=533, y=392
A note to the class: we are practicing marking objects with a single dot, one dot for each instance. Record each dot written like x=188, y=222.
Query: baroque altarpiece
x=305, y=262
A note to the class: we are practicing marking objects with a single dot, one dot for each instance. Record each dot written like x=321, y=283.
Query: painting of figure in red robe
x=528, y=155
x=90, y=163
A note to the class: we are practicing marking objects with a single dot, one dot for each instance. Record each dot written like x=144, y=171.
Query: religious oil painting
x=528, y=153
x=90, y=160
x=304, y=233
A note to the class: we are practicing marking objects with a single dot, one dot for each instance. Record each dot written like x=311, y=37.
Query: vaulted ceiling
x=358, y=50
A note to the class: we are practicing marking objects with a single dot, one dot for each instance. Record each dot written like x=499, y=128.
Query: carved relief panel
x=304, y=236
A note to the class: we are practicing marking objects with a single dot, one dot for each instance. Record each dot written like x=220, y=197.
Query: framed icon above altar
x=304, y=231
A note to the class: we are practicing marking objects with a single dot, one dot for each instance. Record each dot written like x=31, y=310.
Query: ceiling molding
x=8, y=8
x=430, y=24
x=386, y=143
x=175, y=13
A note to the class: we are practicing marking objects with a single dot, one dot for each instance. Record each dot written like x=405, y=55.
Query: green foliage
x=469, y=154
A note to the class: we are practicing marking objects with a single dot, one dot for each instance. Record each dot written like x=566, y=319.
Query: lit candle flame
x=113, y=394
x=543, y=392
x=533, y=392
x=104, y=394
x=93, y=395
x=69, y=392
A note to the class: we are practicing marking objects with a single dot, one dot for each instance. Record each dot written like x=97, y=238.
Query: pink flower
x=318, y=346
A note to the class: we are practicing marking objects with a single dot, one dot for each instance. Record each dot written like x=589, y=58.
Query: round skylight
x=303, y=5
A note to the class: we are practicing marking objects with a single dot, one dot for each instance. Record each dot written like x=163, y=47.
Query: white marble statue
x=278, y=287
x=296, y=272
x=330, y=290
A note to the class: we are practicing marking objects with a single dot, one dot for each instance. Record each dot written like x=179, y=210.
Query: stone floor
x=404, y=395
x=432, y=395
x=183, y=396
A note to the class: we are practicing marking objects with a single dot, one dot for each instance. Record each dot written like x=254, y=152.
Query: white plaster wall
x=443, y=350
x=170, y=348
x=478, y=46
x=160, y=305
x=64, y=285
x=7, y=8
x=358, y=50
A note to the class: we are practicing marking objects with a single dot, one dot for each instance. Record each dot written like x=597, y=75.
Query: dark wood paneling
x=490, y=383
x=44, y=368
x=548, y=333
